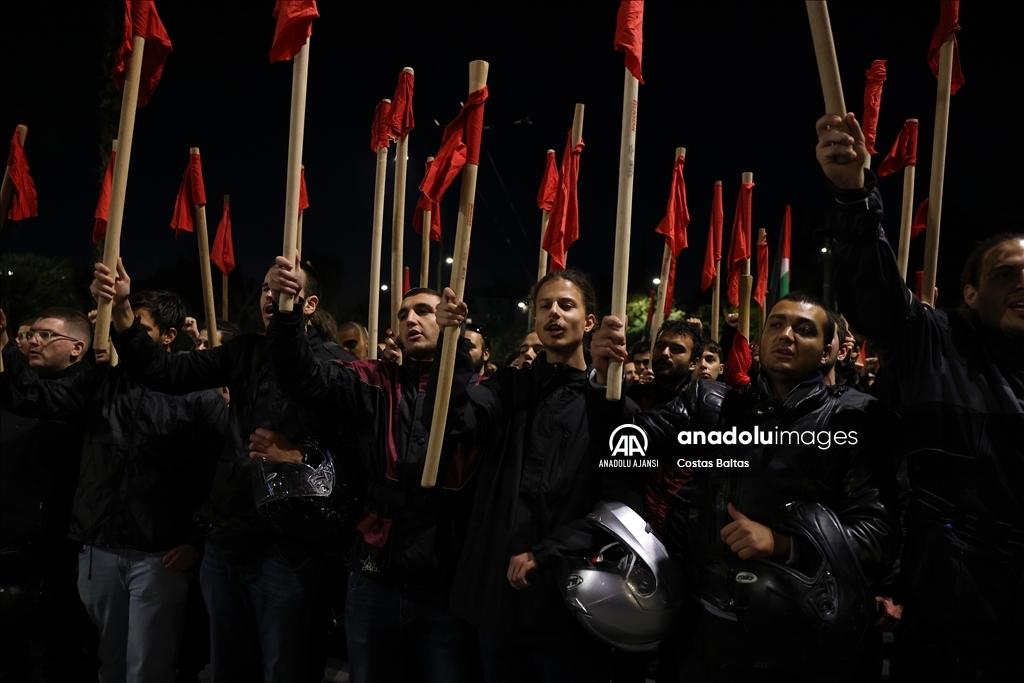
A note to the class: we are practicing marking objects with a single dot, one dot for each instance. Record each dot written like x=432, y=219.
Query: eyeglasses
x=44, y=336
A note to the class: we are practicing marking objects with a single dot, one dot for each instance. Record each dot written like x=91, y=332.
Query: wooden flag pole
x=425, y=250
x=119, y=185
x=666, y=265
x=373, y=321
x=931, y=243
x=204, y=269
x=467, y=198
x=542, y=261
x=828, y=64
x=623, y=217
x=716, y=293
x=746, y=281
x=224, y=281
x=906, y=217
x=8, y=187
x=398, y=223
x=296, y=130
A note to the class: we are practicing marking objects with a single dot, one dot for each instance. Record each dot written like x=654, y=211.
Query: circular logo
x=746, y=577
x=574, y=580
x=624, y=440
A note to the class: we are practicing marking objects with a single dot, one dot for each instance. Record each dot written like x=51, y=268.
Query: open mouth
x=783, y=353
x=414, y=336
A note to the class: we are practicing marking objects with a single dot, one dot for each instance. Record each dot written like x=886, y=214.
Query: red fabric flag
x=294, y=26
x=920, y=222
x=872, y=102
x=548, y=184
x=677, y=215
x=903, y=152
x=739, y=243
x=424, y=204
x=379, y=133
x=713, y=253
x=670, y=288
x=24, y=201
x=99, y=228
x=190, y=193
x=406, y=281
x=303, y=197
x=949, y=14
x=761, y=288
x=460, y=145
x=223, y=253
x=920, y=284
x=564, y=221
x=141, y=19
x=629, y=34
x=401, y=107
x=737, y=364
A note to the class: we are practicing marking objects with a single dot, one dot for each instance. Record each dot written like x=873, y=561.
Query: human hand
x=843, y=156
x=889, y=614
x=607, y=345
x=646, y=377
x=392, y=351
x=732, y=319
x=518, y=567
x=696, y=323
x=191, y=328
x=450, y=312
x=273, y=447
x=180, y=559
x=286, y=277
x=747, y=538
x=113, y=288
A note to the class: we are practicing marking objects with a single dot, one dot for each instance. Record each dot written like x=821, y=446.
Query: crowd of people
x=234, y=504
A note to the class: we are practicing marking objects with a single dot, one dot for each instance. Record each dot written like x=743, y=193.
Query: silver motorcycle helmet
x=627, y=591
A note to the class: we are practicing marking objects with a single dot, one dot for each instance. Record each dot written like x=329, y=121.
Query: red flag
x=294, y=26
x=920, y=283
x=141, y=19
x=629, y=34
x=379, y=133
x=949, y=14
x=713, y=253
x=223, y=253
x=424, y=204
x=739, y=243
x=670, y=288
x=456, y=153
x=738, y=362
x=564, y=221
x=761, y=288
x=303, y=197
x=406, y=281
x=677, y=215
x=190, y=193
x=920, y=222
x=24, y=201
x=872, y=101
x=548, y=184
x=99, y=228
x=401, y=107
x=903, y=152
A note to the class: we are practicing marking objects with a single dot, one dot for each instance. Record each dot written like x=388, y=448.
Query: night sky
x=735, y=83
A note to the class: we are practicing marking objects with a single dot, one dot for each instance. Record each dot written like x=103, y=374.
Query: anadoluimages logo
x=625, y=441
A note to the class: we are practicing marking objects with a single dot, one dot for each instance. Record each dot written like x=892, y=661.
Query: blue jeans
x=259, y=613
x=138, y=607
x=579, y=660
x=385, y=629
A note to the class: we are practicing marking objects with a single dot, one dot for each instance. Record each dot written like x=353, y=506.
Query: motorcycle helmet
x=626, y=590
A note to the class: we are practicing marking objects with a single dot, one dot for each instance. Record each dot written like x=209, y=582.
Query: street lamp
x=449, y=260
x=383, y=288
x=657, y=281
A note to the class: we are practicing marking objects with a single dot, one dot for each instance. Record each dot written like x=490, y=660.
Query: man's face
x=60, y=351
x=641, y=361
x=353, y=341
x=267, y=302
x=793, y=346
x=708, y=366
x=838, y=350
x=561, y=320
x=529, y=350
x=999, y=296
x=417, y=326
x=146, y=322
x=629, y=372
x=23, y=339
x=477, y=352
x=204, y=340
x=672, y=358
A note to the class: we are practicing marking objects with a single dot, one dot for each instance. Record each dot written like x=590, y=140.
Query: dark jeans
x=386, y=629
x=579, y=660
x=260, y=615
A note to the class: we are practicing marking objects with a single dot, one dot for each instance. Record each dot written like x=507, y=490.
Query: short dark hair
x=971, y=273
x=714, y=348
x=167, y=308
x=684, y=329
x=805, y=298
x=842, y=326
x=352, y=324
x=324, y=323
x=574, y=276
x=313, y=285
x=76, y=322
x=225, y=330
x=476, y=328
x=415, y=291
x=640, y=347
x=28, y=322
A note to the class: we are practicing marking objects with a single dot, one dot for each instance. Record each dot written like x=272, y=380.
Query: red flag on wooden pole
x=629, y=34
x=564, y=221
x=903, y=152
x=401, y=118
x=24, y=200
x=455, y=153
x=303, y=196
x=99, y=228
x=739, y=242
x=713, y=253
x=673, y=226
x=379, y=137
x=949, y=16
x=190, y=193
x=738, y=362
x=920, y=222
x=223, y=253
x=549, y=184
x=406, y=280
x=872, y=102
x=425, y=205
x=141, y=19
x=294, y=27
x=761, y=289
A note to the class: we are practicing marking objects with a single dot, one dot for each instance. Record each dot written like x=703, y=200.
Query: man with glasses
x=24, y=334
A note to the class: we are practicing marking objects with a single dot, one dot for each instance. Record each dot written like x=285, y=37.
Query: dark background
x=735, y=83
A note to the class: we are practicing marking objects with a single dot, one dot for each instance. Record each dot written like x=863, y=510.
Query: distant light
x=657, y=280
x=449, y=260
x=383, y=288
x=10, y=272
x=522, y=305
x=824, y=250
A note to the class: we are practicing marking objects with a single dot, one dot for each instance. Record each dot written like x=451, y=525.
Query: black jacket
x=238, y=532
x=144, y=456
x=537, y=477
x=407, y=536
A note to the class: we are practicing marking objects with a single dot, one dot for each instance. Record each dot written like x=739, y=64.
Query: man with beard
x=480, y=350
x=677, y=346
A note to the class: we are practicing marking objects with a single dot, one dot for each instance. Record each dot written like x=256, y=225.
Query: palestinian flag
x=778, y=286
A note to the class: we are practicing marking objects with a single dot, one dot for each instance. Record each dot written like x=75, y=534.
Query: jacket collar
x=807, y=393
